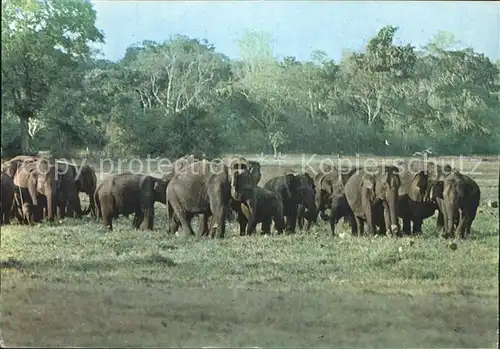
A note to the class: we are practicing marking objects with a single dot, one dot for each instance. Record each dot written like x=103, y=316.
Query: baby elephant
x=127, y=193
x=269, y=208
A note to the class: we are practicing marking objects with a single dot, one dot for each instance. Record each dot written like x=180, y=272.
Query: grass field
x=71, y=283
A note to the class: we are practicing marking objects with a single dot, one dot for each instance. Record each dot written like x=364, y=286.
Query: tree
x=43, y=43
x=370, y=79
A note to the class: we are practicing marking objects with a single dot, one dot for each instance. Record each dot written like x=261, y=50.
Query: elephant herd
x=34, y=188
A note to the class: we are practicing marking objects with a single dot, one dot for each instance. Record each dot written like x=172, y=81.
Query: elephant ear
x=310, y=180
x=447, y=169
x=420, y=179
x=327, y=184
x=291, y=183
x=436, y=190
x=254, y=168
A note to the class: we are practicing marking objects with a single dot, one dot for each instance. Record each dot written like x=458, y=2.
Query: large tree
x=43, y=44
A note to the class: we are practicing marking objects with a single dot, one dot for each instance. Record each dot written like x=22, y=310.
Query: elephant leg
x=360, y=223
x=440, y=225
x=219, y=216
x=309, y=224
x=138, y=219
x=107, y=217
x=332, y=224
x=35, y=212
x=300, y=222
x=252, y=221
x=471, y=217
x=173, y=223
x=203, y=225
x=181, y=215
x=243, y=223
x=300, y=216
x=266, y=227
x=61, y=211
x=174, y=226
x=353, y=223
x=462, y=226
x=407, y=226
x=417, y=226
x=291, y=221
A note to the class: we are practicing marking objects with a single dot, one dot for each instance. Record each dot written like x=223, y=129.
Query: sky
x=297, y=27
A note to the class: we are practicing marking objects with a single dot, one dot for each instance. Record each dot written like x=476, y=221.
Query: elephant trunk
x=51, y=202
x=451, y=217
x=393, y=213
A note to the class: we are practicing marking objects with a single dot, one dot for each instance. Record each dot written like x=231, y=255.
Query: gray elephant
x=269, y=208
x=328, y=183
x=7, y=198
x=68, y=199
x=414, y=204
x=85, y=182
x=127, y=193
x=458, y=197
x=372, y=195
x=340, y=208
x=294, y=190
x=205, y=188
x=38, y=185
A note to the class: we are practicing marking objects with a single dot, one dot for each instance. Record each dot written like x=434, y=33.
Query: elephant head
x=302, y=190
x=382, y=187
x=160, y=190
x=254, y=168
x=43, y=179
x=307, y=192
x=324, y=192
x=419, y=186
x=242, y=185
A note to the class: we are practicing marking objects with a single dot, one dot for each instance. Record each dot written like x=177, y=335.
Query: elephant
x=373, y=194
x=414, y=204
x=127, y=193
x=7, y=198
x=458, y=197
x=68, y=199
x=206, y=188
x=340, y=208
x=85, y=182
x=269, y=208
x=294, y=189
x=328, y=184
x=38, y=185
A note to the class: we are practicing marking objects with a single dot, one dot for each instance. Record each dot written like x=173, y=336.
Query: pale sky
x=297, y=27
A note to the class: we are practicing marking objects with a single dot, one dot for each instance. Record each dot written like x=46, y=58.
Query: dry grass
x=74, y=284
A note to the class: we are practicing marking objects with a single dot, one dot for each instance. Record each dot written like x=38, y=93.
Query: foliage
x=182, y=95
x=43, y=44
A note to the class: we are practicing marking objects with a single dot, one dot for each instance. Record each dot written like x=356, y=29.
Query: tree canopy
x=182, y=95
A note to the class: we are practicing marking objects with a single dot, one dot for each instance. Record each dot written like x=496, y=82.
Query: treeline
x=182, y=96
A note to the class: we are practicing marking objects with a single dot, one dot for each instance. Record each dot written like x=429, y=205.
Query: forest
x=184, y=96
